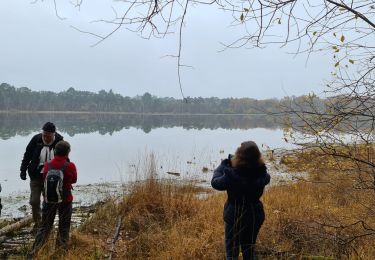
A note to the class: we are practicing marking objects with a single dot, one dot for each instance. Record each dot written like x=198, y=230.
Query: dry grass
x=163, y=219
x=328, y=213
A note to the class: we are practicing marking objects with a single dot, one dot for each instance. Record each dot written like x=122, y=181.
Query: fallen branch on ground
x=15, y=226
x=116, y=235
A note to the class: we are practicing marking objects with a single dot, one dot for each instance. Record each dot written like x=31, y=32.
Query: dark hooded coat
x=30, y=161
x=244, y=187
x=243, y=210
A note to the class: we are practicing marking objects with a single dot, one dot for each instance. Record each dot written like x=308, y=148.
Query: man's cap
x=49, y=127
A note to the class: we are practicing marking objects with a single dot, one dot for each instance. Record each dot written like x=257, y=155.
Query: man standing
x=39, y=150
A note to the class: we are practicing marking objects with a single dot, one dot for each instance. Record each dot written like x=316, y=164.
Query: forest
x=25, y=99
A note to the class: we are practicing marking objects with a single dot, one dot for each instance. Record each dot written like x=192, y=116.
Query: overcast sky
x=40, y=51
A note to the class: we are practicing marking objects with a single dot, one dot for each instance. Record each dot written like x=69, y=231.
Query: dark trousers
x=48, y=216
x=36, y=189
x=242, y=225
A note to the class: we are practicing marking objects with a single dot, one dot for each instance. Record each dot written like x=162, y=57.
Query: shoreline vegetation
x=314, y=217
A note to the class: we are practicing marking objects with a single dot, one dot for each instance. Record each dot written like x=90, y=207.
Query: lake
x=115, y=149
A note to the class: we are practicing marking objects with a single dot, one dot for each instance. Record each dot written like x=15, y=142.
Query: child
x=64, y=204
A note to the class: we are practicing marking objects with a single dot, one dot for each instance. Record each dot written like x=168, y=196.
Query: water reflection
x=111, y=148
x=13, y=124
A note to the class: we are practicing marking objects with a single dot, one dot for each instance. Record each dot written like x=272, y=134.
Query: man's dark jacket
x=244, y=187
x=30, y=161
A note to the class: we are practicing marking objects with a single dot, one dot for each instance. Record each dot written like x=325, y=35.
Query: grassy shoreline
x=163, y=219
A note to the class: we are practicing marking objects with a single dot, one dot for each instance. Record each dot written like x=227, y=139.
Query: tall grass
x=166, y=219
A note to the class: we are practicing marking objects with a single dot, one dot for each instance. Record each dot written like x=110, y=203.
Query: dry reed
x=317, y=218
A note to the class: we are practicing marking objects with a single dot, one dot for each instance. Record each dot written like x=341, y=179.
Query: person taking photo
x=243, y=176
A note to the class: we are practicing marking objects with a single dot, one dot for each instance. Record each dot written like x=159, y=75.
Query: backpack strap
x=66, y=191
x=49, y=166
x=66, y=163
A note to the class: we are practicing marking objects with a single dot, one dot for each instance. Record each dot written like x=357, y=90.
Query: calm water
x=110, y=148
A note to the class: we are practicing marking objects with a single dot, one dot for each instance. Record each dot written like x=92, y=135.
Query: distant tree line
x=24, y=99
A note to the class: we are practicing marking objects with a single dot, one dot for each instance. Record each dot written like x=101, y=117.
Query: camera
x=230, y=158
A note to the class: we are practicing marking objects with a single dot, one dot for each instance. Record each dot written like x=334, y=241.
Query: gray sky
x=40, y=51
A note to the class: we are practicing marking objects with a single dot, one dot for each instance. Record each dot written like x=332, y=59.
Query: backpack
x=53, y=184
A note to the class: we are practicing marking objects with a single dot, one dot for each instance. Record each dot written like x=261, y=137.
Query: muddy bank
x=15, y=244
x=16, y=205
